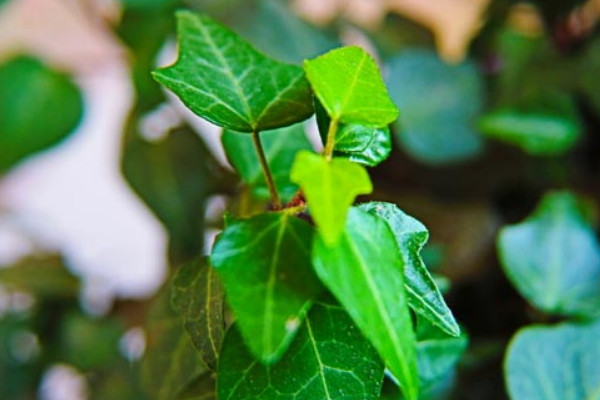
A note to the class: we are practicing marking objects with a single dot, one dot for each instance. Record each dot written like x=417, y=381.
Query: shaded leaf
x=553, y=257
x=328, y=359
x=348, y=84
x=330, y=189
x=265, y=265
x=424, y=297
x=280, y=146
x=554, y=363
x=364, y=272
x=197, y=295
x=203, y=388
x=222, y=78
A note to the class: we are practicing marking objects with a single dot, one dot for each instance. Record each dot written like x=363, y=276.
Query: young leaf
x=197, y=295
x=220, y=77
x=330, y=189
x=280, y=145
x=553, y=257
x=349, y=85
x=265, y=265
x=424, y=297
x=329, y=359
x=364, y=272
x=554, y=363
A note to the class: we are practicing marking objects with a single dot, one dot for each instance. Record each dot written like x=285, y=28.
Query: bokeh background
x=107, y=182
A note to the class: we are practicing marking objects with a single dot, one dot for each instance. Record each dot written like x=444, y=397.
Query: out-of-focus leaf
x=280, y=146
x=554, y=363
x=197, y=295
x=39, y=107
x=329, y=359
x=424, y=297
x=553, y=257
x=203, y=388
x=330, y=189
x=348, y=83
x=439, y=104
x=222, y=78
x=265, y=265
x=364, y=272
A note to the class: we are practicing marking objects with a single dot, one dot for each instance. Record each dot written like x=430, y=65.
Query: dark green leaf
x=553, y=257
x=439, y=103
x=348, y=84
x=222, y=78
x=265, y=265
x=424, y=297
x=364, y=272
x=280, y=146
x=329, y=359
x=554, y=363
x=197, y=295
x=330, y=189
x=39, y=107
x=203, y=388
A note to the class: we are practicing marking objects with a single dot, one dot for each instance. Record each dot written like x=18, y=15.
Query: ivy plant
x=325, y=296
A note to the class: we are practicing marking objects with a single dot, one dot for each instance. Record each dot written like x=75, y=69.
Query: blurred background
x=107, y=182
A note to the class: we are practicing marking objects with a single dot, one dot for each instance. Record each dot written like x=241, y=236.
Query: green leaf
x=364, y=272
x=554, y=363
x=439, y=103
x=222, y=78
x=265, y=265
x=424, y=297
x=348, y=84
x=280, y=146
x=553, y=257
x=330, y=189
x=203, y=388
x=29, y=91
x=329, y=359
x=197, y=295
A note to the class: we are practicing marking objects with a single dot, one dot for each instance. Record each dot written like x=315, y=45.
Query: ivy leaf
x=349, y=85
x=329, y=359
x=197, y=295
x=280, y=146
x=553, y=257
x=330, y=189
x=265, y=265
x=554, y=363
x=364, y=272
x=424, y=297
x=220, y=77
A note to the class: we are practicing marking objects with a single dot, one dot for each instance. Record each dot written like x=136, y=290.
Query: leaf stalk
x=266, y=170
x=330, y=144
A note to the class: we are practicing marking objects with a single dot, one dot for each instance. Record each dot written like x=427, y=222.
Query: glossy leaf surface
x=265, y=265
x=424, y=297
x=330, y=189
x=348, y=84
x=554, y=363
x=553, y=257
x=197, y=295
x=364, y=271
x=328, y=360
x=222, y=78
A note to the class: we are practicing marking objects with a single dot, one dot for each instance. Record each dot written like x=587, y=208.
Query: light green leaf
x=220, y=77
x=439, y=103
x=554, y=363
x=424, y=297
x=265, y=265
x=553, y=257
x=197, y=295
x=330, y=189
x=328, y=360
x=280, y=146
x=348, y=84
x=364, y=272
x=39, y=107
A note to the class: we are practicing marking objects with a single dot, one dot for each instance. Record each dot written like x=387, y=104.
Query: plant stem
x=266, y=171
x=330, y=144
